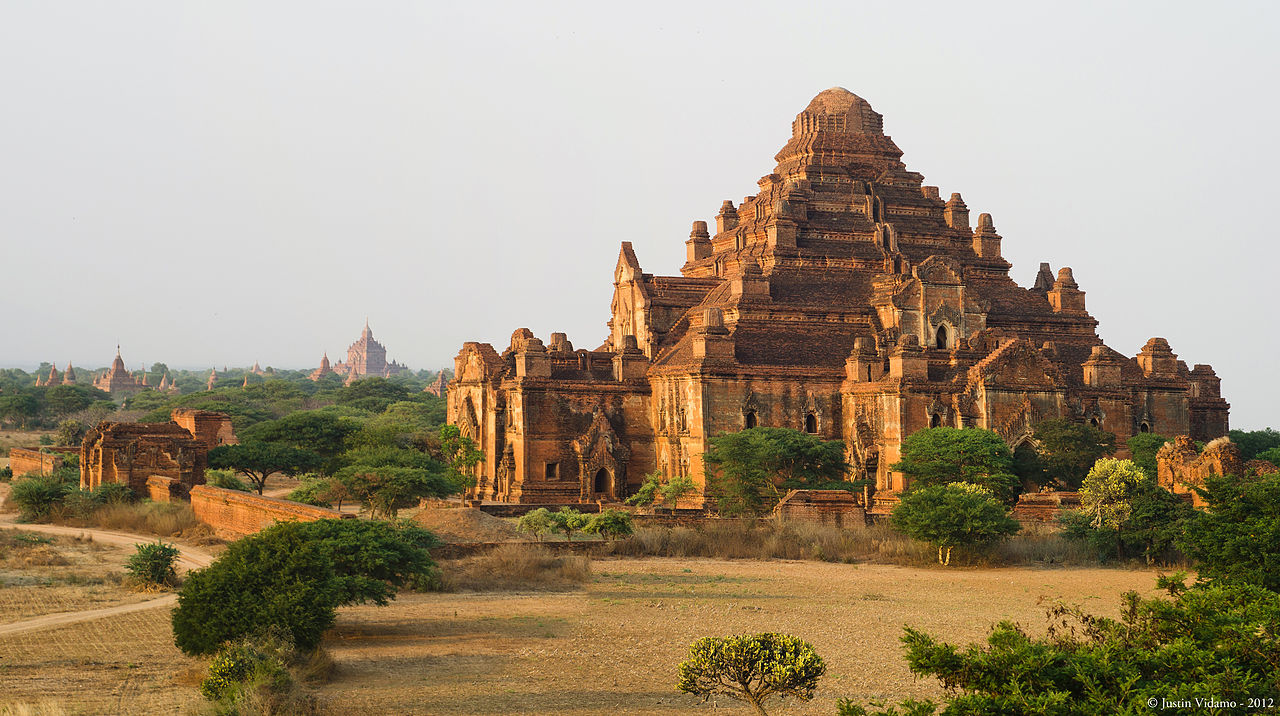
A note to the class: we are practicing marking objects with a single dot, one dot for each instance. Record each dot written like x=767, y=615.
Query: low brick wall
x=235, y=513
x=165, y=489
x=27, y=460
x=838, y=508
x=1045, y=506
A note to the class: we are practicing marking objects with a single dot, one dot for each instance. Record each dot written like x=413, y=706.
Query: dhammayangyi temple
x=847, y=299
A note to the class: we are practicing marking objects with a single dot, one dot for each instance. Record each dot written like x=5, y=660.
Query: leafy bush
x=36, y=497
x=1235, y=537
x=536, y=522
x=948, y=516
x=647, y=493
x=1155, y=521
x=226, y=479
x=749, y=471
x=1144, y=447
x=293, y=576
x=1218, y=640
x=939, y=456
x=259, y=660
x=610, y=523
x=6, y=473
x=153, y=565
x=568, y=521
x=752, y=669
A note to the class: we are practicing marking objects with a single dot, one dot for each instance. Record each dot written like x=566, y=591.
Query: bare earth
x=614, y=646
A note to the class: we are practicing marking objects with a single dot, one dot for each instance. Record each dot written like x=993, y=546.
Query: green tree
x=647, y=493
x=461, y=455
x=1252, y=442
x=611, y=524
x=952, y=515
x=1107, y=493
x=70, y=432
x=387, y=479
x=317, y=431
x=536, y=522
x=1144, y=447
x=293, y=576
x=568, y=521
x=65, y=399
x=676, y=489
x=18, y=409
x=939, y=456
x=1272, y=456
x=1236, y=536
x=748, y=471
x=258, y=461
x=752, y=669
x=1069, y=449
x=1218, y=639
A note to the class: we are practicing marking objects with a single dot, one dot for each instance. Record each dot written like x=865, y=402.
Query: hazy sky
x=223, y=183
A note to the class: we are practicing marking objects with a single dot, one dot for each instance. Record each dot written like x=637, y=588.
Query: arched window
x=811, y=423
x=750, y=419
x=602, y=481
x=1144, y=428
x=935, y=421
x=1093, y=422
x=942, y=337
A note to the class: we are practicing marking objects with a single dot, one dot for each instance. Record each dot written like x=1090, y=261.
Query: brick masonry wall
x=25, y=460
x=234, y=513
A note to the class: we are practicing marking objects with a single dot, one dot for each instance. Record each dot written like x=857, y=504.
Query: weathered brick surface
x=235, y=513
x=829, y=507
x=1180, y=468
x=845, y=298
x=40, y=460
x=1045, y=507
x=212, y=429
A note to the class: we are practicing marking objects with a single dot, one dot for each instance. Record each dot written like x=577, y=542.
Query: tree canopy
x=1236, y=536
x=952, y=515
x=258, y=461
x=1067, y=450
x=752, y=669
x=939, y=456
x=749, y=471
x=1252, y=442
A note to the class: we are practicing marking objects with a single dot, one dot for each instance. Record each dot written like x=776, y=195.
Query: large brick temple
x=846, y=299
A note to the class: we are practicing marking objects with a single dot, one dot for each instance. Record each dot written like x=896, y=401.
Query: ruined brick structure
x=41, y=460
x=132, y=453
x=365, y=358
x=1180, y=467
x=846, y=299
x=437, y=387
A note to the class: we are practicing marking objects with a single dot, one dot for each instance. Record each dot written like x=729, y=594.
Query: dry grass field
x=608, y=646
x=45, y=574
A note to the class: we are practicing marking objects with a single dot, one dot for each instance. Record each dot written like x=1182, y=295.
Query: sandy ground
x=614, y=646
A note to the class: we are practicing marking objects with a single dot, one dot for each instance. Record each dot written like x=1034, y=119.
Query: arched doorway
x=750, y=419
x=811, y=423
x=1144, y=428
x=935, y=421
x=600, y=484
x=941, y=337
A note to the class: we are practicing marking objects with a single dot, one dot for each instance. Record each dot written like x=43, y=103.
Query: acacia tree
x=675, y=490
x=939, y=456
x=258, y=461
x=952, y=515
x=752, y=669
x=748, y=470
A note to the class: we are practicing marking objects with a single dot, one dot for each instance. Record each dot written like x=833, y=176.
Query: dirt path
x=188, y=559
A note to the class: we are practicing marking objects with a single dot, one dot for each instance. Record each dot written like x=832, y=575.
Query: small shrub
x=752, y=669
x=226, y=479
x=37, y=497
x=258, y=660
x=610, y=523
x=536, y=522
x=153, y=565
x=6, y=473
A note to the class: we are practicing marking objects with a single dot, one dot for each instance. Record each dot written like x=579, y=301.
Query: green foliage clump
x=749, y=471
x=293, y=576
x=676, y=489
x=752, y=669
x=461, y=455
x=1068, y=450
x=36, y=497
x=258, y=461
x=610, y=523
x=387, y=479
x=1107, y=491
x=256, y=661
x=226, y=479
x=1144, y=447
x=647, y=493
x=1254, y=442
x=1236, y=536
x=317, y=431
x=536, y=522
x=568, y=521
x=939, y=456
x=952, y=515
x=154, y=565
x=1272, y=456
x=6, y=473
x=1216, y=640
